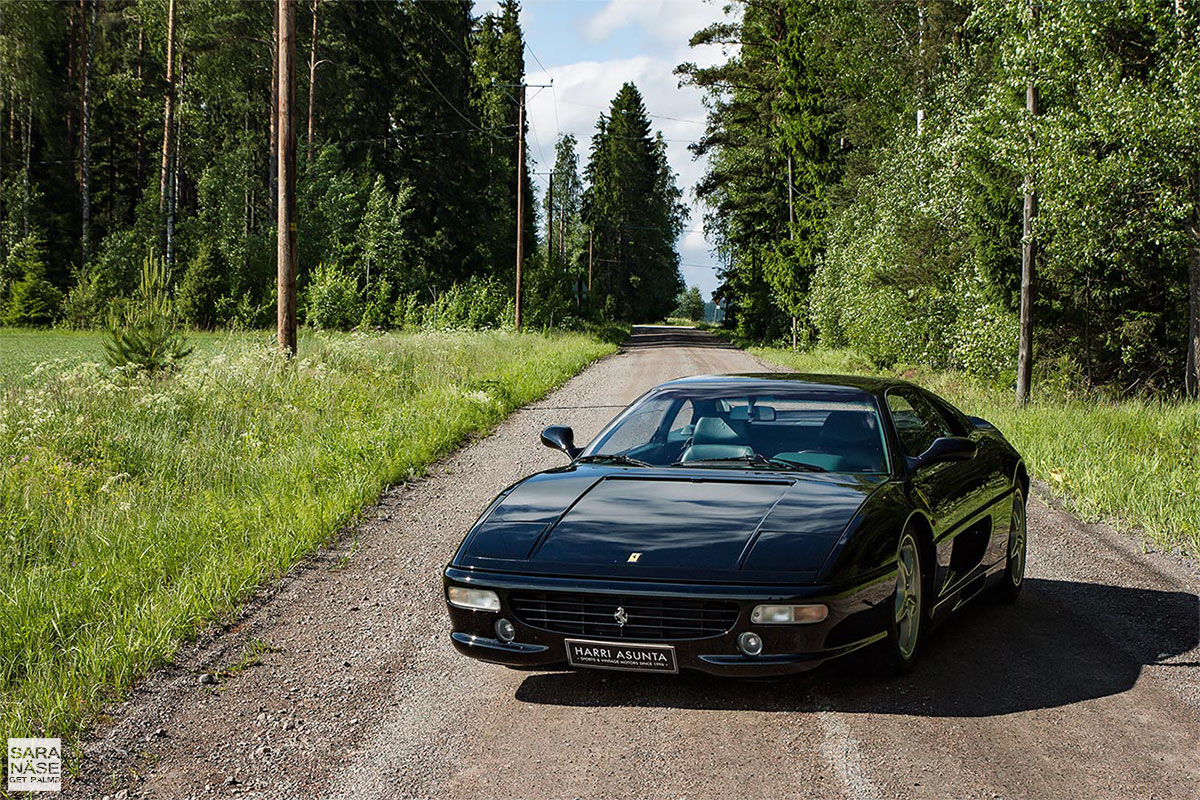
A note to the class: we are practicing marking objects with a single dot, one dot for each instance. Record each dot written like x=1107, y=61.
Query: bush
x=332, y=300
x=379, y=300
x=478, y=304
x=406, y=313
x=31, y=299
x=202, y=286
x=145, y=336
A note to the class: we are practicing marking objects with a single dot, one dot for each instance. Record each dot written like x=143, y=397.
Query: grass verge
x=1133, y=461
x=135, y=511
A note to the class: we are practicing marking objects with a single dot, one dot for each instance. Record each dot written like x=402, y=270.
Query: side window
x=954, y=418
x=917, y=422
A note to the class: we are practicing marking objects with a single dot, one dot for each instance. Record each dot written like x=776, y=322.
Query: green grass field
x=135, y=511
x=1136, y=462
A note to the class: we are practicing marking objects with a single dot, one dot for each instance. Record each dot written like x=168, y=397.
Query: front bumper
x=858, y=616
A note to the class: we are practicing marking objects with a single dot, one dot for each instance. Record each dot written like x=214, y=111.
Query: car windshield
x=809, y=428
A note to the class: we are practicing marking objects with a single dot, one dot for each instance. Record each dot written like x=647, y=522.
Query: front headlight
x=789, y=615
x=474, y=599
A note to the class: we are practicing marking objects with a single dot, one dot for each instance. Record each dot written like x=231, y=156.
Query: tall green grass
x=1133, y=461
x=134, y=510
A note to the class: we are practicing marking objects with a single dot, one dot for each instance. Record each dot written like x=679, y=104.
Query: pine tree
x=632, y=203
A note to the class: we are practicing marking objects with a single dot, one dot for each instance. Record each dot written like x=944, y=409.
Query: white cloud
x=671, y=22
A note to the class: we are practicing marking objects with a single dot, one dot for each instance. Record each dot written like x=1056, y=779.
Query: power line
x=553, y=93
x=655, y=116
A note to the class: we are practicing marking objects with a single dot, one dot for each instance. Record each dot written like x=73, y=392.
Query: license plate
x=619, y=655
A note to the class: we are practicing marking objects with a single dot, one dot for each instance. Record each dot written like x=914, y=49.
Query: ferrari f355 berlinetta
x=745, y=525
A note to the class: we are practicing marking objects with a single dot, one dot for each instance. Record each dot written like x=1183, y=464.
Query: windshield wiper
x=611, y=458
x=757, y=460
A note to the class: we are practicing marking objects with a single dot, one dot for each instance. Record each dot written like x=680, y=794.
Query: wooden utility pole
x=286, y=176
x=792, y=230
x=550, y=223
x=520, y=201
x=1028, y=245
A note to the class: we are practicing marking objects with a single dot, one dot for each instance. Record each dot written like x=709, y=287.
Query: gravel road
x=1089, y=687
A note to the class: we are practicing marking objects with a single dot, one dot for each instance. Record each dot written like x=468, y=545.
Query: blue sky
x=589, y=48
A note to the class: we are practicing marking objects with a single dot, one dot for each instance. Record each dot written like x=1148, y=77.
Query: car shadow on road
x=1063, y=642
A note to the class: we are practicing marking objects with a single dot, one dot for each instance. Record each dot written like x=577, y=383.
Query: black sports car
x=745, y=525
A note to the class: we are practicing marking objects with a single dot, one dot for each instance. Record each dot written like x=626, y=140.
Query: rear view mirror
x=948, y=448
x=561, y=437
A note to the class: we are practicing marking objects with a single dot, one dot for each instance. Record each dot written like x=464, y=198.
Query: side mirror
x=561, y=437
x=948, y=448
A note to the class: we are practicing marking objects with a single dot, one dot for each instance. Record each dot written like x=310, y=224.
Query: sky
x=588, y=48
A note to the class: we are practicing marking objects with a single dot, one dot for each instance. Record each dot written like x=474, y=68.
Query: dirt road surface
x=1089, y=687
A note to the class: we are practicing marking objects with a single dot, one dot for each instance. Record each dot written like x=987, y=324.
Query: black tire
x=1009, y=588
x=907, y=622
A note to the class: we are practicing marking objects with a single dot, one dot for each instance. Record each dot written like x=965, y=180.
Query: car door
x=952, y=491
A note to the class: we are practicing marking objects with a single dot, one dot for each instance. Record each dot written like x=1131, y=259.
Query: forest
x=870, y=163
x=144, y=129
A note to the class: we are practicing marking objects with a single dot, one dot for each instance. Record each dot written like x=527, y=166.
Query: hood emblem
x=633, y=558
x=621, y=616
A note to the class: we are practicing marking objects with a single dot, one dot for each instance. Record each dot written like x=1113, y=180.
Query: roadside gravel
x=340, y=682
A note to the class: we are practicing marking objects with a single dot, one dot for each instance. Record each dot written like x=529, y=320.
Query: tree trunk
x=164, y=183
x=87, y=19
x=312, y=77
x=140, y=169
x=175, y=188
x=25, y=177
x=286, y=176
x=922, y=79
x=273, y=114
x=1028, y=250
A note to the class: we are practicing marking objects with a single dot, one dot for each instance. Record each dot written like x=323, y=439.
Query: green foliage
x=33, y=301
x=475, y=305
x=332, y=301
x=138, y=512
x=634, y=205
x=201, y=287
x=144, y=335
x=26, y=297
x=378, y=306
x=691, y=305
x=907, y=243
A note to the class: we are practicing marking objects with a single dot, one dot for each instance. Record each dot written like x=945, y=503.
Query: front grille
x=653, y=618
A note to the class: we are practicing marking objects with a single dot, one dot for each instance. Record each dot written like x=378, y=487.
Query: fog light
x=789, y=615
x=750, y=643
x=474, y=599
x=505, y=630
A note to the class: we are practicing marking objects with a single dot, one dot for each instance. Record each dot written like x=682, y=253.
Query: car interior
x=844, y=438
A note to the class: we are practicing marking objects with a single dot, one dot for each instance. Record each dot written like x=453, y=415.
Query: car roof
x=780, y=381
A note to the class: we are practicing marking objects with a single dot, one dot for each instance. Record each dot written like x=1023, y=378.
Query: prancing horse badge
x=633, y=558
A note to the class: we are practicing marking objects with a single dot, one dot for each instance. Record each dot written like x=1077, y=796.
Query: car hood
x=681, y=524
